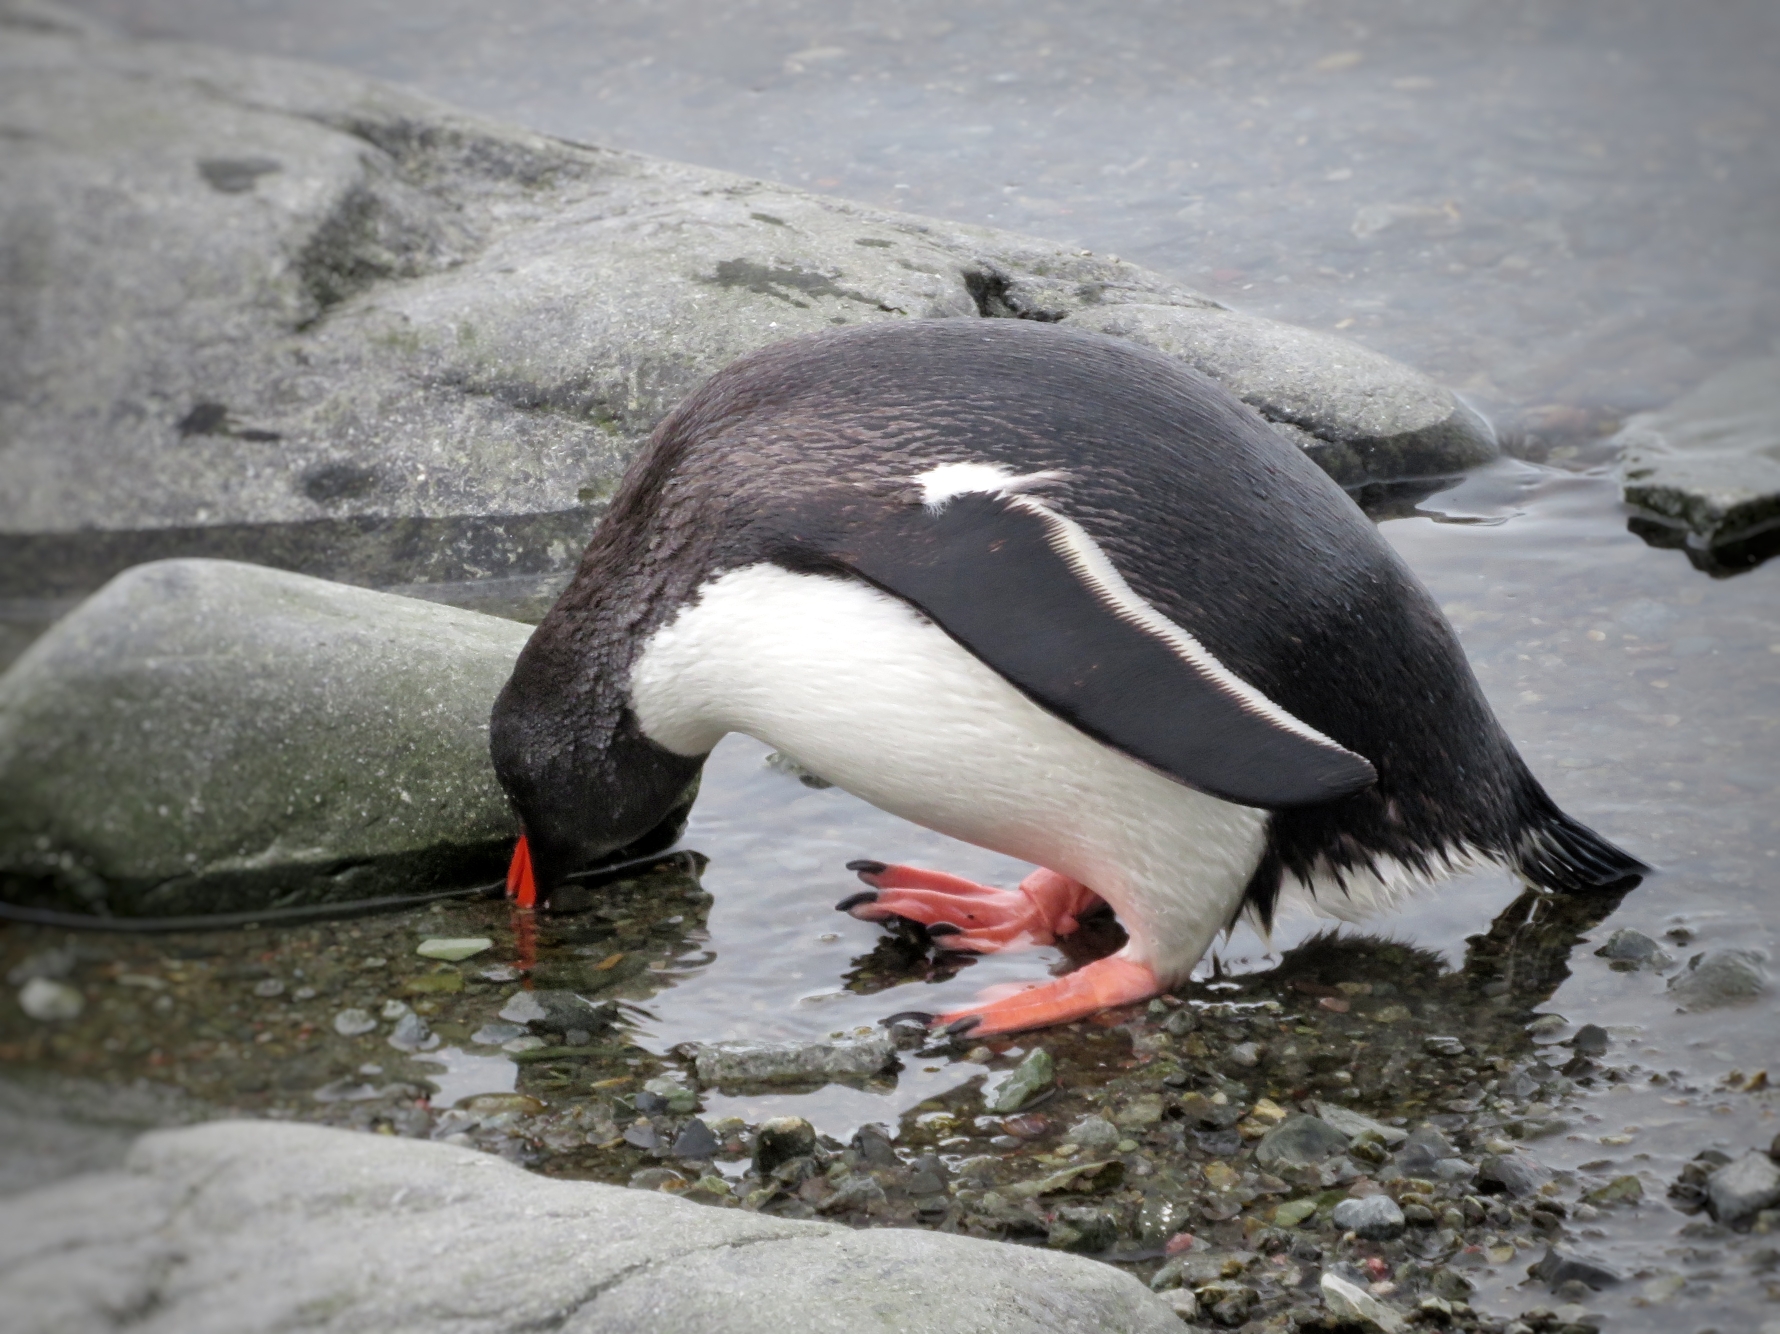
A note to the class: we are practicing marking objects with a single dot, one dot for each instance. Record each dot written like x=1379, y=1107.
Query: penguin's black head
x=587, y=785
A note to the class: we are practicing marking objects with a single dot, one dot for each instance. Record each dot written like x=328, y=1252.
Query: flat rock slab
x=206, y=736
x=269, y=311
x=1708, y=465
x=247, y=1226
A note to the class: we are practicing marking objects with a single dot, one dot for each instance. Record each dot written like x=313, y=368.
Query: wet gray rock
x=1744, y=1187
x=207, y=736
x=1353, y=1124
x=48, y=1001
x=276, y=312
x=257, y=1225
x=1424, y=1147
x=1515, y=1173
x=1350, y=1303
x=1720, y=977
x=781, y=1139
x=559, y=1011
x=354, y=1022
x=412, y=1033
x=1095, y=1134
x=1556, y=1268
x=746, y=1061
x=1034, y=1075
x=1635, y=949
x=696, y=1140
x=1299, y=1140
x=1590, y=1040
x=1708, y=465
x=1375, y=1217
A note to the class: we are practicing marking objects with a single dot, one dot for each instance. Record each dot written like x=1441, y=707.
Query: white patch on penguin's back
x=938, y=485
x=863, y=690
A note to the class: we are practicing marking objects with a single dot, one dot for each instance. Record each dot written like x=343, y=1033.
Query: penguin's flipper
x=1114, y=980
x=1032, y=595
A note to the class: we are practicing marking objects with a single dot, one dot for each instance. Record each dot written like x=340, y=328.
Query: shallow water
x=1563, y=205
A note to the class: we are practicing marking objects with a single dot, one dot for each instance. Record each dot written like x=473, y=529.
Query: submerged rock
x=1422, y=1150
x=1743, y=1188
x=1515, y=1173
x=1635, y=949
x=747, y=1061
x=1033, y=1076
x=206, y=736
x=1556, y=1268
x=1720, y=977
x=1374, y=1217
x=1353, y=1124
x=1299, y=1140
x=283, y=313
x=1705, y=471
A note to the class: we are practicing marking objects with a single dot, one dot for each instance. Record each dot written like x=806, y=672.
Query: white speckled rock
x=240, y=1227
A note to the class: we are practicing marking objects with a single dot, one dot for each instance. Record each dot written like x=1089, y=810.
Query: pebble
x=672, y=1089
x=1590, y=1040
x=696, y=1140
x=1720, y=977
x=1349, y=1302
x=494, y=1034
x=1547, y=1026
x=453, y=949
x=1422, y=1149
x=745, y=1062
x=1093, y=1133
x=1556, y=1268
x=1374, y=1217
x=1245, y=1054
x=781, y=1139
x=268, y=988
x=412, y=1034
x=1516, y=1173
x=345, y=1090
x=353, y=1023
x=500, y=972
x=523, y=1007
x=1631, y=947
x=1743, y=1188
x=395, y=1009
x=1353, y=1124
x=48, y=1000
x=1299, y=1140
x=1031, y=1077
x=526, y=1042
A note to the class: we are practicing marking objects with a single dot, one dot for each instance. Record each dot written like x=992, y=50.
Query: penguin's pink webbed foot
x=1107, y=982
x=969, y=916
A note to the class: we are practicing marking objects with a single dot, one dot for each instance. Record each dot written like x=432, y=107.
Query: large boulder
x=1704, y=472
x=204, y=735
x=250, y=1226
x=264, y=310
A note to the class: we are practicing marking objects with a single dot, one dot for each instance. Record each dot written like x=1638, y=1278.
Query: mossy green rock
x=208, y=736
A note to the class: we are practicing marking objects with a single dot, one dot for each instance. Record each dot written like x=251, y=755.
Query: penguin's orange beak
x=521, y=887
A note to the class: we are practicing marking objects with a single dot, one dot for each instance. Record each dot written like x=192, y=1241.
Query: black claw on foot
x=920, y=1017
x=964, y=1025
x=868, y=867
x=852, y=901
x=944, y=929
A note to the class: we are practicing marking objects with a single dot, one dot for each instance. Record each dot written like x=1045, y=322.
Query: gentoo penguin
x=1047, y=592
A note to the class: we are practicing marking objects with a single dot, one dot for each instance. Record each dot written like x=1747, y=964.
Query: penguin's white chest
x=863, y=690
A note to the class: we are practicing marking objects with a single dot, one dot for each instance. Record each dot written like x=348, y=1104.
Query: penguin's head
x=587, y=785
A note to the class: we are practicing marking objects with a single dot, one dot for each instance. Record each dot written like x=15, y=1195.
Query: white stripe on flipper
x=1093, y=567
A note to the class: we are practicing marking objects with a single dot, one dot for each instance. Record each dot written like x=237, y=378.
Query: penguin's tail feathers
x=1558, y=853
